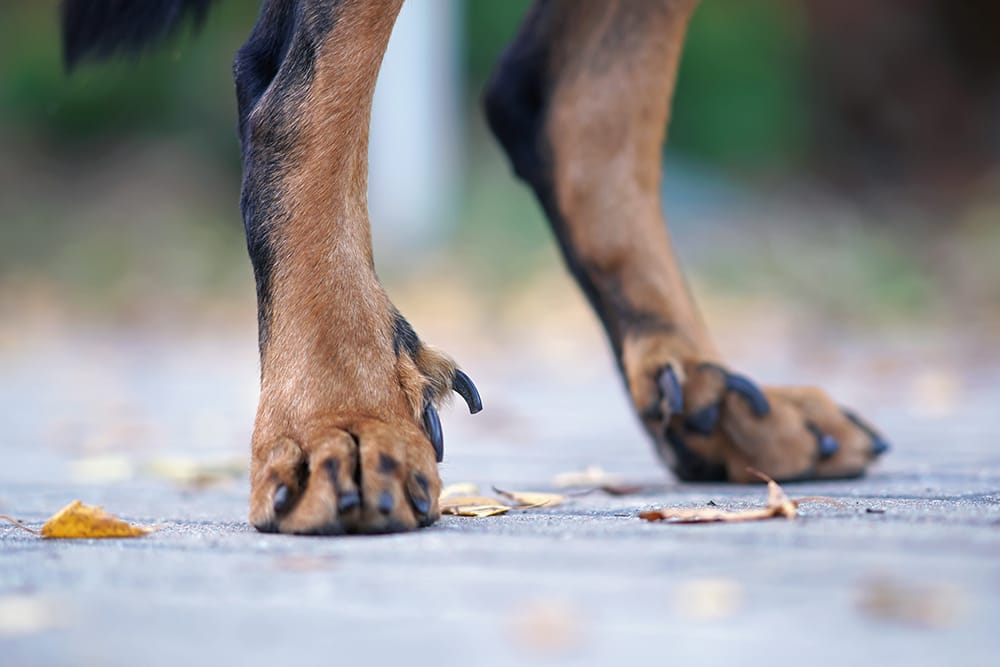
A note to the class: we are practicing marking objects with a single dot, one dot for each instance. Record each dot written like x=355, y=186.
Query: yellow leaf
x=477, y=511
x=77, y=520
x=471, y=505
x=526, y=500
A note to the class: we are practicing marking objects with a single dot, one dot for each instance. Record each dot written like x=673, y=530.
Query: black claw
x=703, y=422
x=348, y=501
x=879, y=444
x=827, y=444
x=282, y=499
x=670, y=388
x=385, y=502
x=419, y=497
x=464, y=387
x=880, y=447
x=746, y=388
x=432, y=424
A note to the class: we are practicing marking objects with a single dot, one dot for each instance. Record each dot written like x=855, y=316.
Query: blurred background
x=831, y=182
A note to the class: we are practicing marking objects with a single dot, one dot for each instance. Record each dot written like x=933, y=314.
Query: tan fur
x=613, y=65
x=329, y=370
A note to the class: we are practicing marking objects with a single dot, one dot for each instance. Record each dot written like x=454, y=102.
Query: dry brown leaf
x=778, y=505
x=477, y=511
x=529, y=499
x=474, y=506
x=77, y=520
x=690, y=515
x=777, y=500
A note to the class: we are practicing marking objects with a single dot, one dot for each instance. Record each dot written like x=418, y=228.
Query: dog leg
x=580, y=102
x=347, y=433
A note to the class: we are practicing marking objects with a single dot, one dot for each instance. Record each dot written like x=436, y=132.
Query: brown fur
x=332, y=386
x=610, y=68
x=338, y=443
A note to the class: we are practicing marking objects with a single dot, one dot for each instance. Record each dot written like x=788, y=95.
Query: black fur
x=404, y=338
x=100, y=29
x=284, y=39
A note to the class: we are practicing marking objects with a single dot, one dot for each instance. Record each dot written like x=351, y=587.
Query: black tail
x=100, y=29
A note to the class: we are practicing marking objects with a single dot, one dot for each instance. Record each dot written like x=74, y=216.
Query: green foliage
x=740, y=99
x=183, y=88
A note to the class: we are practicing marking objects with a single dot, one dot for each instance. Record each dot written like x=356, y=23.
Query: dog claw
x=418, y=492
x=670, y=388
x=348, y=501
x=282, y=499
x=464, y=387
x=746, y=388
x=703, y=422
x=432, y=424
x=826, y=443
x=385, y=502
x=879, y=444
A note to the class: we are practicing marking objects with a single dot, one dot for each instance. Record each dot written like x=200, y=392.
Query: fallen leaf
x=594, y=476
x=777, y=500
x=477, y=511
x=196, y=474
x=77, y=520
x=528, y=499
x=459, y=489
x=474, y=506
x=778, y=505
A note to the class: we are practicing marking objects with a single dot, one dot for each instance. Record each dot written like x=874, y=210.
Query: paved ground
x=906, y=570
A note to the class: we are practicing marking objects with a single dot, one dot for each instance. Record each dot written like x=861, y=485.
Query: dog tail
x=100, y=29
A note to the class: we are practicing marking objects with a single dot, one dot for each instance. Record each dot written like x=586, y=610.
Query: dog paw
x=710, y=424
x=348, y=435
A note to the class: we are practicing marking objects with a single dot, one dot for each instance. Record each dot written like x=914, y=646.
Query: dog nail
x=827, y=444
x=746, y=388
x=703, y=422
x=282, y=499
x=348, y=501
x=385, y=502
x=464, y=387
x=879, y=444
x=432, y=424
x=670, y=388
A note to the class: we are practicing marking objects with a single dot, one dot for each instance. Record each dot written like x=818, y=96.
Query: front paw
x=351, y=476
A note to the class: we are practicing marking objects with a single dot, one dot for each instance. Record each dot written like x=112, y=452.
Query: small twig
x=19, y=524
